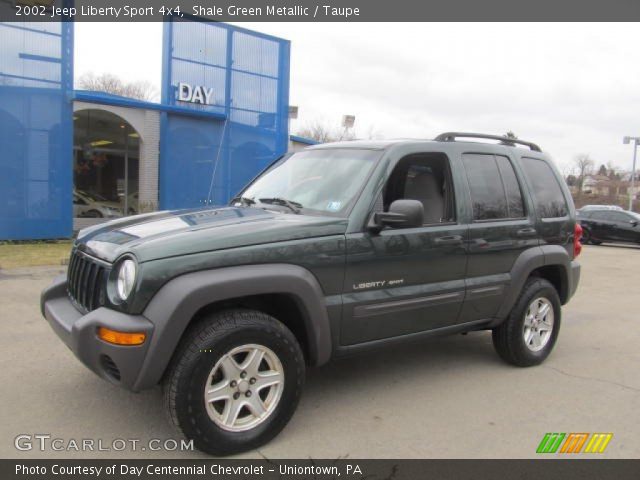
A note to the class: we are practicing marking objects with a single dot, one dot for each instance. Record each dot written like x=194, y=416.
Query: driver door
x=407, y=280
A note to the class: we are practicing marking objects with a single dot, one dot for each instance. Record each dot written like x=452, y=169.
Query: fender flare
x=527, y=262
x=174, y=305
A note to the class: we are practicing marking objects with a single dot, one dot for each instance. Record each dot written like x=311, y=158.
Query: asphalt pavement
x=450, y=397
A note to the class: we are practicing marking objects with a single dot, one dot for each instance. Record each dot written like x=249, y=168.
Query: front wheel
x=235, y=382
x=528, y=335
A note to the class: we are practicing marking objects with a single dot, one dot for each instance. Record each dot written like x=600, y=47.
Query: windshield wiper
x=244, y=201
x=293, y=206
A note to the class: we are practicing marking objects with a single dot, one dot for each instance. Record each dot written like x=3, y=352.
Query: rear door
x=502, y=227
x=600, y=225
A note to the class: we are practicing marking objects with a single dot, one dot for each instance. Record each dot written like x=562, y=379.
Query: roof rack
x=511, y=142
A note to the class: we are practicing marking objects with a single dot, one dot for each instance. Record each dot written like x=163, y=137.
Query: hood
x=182, y=232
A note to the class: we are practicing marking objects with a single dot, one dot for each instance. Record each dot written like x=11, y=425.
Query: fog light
x=121, y=338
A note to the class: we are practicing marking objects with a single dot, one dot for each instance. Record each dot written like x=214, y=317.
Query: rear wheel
x=528, y=335
x=586, y=236
x=235, y=382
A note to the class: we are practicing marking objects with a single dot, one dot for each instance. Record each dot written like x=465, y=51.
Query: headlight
x=126, y=279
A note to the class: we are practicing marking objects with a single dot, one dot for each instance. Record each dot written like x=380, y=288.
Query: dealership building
x=71, y=158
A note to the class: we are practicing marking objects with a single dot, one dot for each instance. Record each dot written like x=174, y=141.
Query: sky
x=572, y=88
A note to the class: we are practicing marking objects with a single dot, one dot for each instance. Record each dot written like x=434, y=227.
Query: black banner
x=584, y=469
x=320, y=10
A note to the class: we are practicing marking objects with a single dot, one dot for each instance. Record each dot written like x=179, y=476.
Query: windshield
x=324, y=181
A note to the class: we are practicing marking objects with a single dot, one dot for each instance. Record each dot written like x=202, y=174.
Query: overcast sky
x=572, y=88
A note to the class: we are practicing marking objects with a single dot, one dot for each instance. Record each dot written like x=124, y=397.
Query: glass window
x=511, y=187
x=425, y=177
x=326, y=181
x=599, y=215
x=619, y=217
x=547, y=195
x=487, y=192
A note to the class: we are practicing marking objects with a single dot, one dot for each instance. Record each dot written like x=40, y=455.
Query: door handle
x=526, y=232
x=449, y=240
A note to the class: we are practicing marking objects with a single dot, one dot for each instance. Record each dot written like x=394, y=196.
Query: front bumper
x=116, y=363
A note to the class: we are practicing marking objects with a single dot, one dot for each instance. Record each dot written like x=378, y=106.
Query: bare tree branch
x=109, y=83
x=584, y=166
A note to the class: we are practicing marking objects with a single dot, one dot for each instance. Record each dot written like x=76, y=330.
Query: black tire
x=595, y=242
x=508, y=338
x=586, y=236
x=202, y=346
x=94, y=214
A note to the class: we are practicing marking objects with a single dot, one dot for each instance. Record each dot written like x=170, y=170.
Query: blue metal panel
x=36, y=75
x=204, y=161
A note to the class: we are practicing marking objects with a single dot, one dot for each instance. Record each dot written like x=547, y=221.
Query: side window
x=425, y=177
x=599, y=215
x=547, y=195
x=618, y=217
x=494, y=188
x=511, y=187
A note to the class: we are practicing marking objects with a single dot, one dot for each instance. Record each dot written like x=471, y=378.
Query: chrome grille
x=86, y=278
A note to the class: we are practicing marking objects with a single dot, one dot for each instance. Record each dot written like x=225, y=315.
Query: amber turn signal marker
x=121, y=338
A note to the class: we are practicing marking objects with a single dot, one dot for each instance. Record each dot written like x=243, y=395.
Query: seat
x=425, y=188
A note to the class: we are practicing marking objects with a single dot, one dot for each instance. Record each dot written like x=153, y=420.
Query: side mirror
x=401, y=214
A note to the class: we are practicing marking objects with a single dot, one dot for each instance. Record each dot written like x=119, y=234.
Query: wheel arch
x=190, y=296
x=551, y=262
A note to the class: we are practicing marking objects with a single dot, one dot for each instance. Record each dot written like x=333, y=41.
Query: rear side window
x=618, y=217
x=495, y=193
x=599, y=215
x=547, y=195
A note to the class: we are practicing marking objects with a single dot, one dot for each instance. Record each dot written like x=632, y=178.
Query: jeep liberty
x=336, y=249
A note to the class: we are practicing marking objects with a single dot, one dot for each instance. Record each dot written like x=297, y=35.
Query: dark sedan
x=609, y=226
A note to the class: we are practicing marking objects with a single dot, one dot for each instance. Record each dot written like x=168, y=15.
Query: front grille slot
x=86, y=278
x=110, y=367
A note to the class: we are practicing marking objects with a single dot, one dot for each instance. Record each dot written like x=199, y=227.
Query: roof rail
x=511, y=142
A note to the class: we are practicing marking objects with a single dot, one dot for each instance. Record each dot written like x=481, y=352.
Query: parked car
x=333, y=250
x=610, y=226
x=87, y=204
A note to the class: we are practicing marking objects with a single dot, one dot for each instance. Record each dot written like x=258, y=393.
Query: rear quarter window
x=545, y=189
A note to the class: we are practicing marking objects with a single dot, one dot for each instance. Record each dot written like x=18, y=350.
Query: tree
x=584, y=165
x=613, y=175
x=571, y=180
x=510, y=134
x=323, y=133
x=109, y=83
x=602, y=170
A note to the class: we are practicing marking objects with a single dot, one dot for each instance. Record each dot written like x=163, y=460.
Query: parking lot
x=445, y=398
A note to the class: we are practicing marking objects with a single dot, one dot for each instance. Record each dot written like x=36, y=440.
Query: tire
x=586, y=236
x=94, y=214
x=595, y=242
x=209, y=347
x=509, y=337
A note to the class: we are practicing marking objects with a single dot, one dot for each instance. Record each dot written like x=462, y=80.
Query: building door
x=106, y=152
